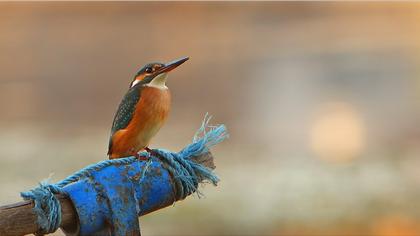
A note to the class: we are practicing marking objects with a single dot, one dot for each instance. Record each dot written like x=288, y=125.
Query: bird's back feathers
x=125, y=112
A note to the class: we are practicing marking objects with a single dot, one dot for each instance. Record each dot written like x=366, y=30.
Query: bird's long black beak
x=172, y=65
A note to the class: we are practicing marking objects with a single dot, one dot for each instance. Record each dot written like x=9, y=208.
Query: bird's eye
x=149, y=70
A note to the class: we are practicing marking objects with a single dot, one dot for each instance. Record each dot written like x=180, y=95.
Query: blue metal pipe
x=111, y=199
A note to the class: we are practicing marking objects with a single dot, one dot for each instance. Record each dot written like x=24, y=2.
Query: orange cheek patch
x=137, y=80
x=140, y=77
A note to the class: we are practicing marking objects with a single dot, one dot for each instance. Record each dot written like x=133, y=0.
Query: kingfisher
x=142, y=111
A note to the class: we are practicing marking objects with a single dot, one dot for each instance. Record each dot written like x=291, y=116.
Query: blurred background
x=322, y=101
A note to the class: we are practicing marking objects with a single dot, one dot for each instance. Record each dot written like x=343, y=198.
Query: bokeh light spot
x=338, y=132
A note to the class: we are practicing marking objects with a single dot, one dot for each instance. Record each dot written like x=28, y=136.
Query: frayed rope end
x=205, y=137
x=47, y=206
x=190, y=173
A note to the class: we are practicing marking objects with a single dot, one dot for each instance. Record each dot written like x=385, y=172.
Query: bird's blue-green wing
x=125, y=112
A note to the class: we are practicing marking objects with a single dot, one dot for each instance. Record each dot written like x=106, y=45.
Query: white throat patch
x=159, y=81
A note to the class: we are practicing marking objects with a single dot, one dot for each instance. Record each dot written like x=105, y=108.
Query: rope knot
x=47, y=207
x=186, y=172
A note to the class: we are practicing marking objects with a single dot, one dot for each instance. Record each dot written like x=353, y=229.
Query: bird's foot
x=141, y=157
x=151, y=152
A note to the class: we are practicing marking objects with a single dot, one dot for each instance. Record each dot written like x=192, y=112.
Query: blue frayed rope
x=186, y=174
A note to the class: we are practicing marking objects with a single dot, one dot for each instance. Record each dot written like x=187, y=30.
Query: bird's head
x=155, y=74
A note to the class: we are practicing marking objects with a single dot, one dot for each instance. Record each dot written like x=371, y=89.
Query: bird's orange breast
x=149, y=116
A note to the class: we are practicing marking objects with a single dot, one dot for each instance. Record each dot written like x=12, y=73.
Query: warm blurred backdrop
x=322, y=101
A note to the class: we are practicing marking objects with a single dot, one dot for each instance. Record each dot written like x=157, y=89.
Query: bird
x=143, y=110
